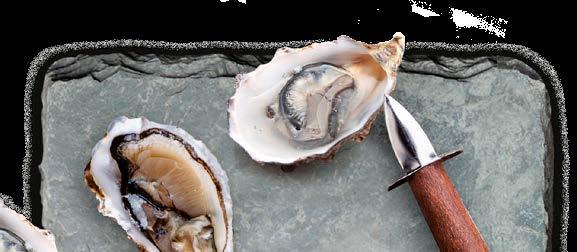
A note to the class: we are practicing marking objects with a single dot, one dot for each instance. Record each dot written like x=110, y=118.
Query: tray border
x=517, y=51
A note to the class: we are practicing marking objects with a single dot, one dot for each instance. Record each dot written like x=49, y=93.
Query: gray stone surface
x=495, y=108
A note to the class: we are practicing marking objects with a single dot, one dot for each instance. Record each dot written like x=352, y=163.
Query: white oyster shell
x=104, y=177
x=286, y=127
x=16, y=229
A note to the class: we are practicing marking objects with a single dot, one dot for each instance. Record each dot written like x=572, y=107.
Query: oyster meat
x=165, y=189
x=17, y=234
x=306, y=102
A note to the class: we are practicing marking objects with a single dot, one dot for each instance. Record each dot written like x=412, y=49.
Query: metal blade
x=411, y=145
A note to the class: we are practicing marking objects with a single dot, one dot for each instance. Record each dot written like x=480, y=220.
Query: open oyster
x=306, y=102
x=17, y=234
x=163, y=187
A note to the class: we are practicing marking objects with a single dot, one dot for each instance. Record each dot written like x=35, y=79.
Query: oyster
x=306, y=102
x=17, y=234
x=163, y=187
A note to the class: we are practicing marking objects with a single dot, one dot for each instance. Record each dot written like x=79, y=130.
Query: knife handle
x=444, y=211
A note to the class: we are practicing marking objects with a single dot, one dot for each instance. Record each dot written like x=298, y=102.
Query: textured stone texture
x=495, y=108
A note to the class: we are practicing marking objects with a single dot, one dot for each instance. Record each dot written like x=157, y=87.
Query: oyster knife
x=439, y=201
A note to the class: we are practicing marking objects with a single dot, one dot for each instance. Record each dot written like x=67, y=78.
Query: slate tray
x=496, y=107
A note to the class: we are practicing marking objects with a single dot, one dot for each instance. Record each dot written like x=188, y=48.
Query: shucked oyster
x=306, y=102
x=17, y=234
x=163, y=187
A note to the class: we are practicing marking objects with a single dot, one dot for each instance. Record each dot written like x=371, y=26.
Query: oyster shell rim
x=42, y=239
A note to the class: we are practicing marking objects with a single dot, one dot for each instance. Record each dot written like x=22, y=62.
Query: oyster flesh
x=165, y=189
x=17, y=234
x=306, y=102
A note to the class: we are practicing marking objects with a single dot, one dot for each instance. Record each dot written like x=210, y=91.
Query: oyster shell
x=306, y=102
x=163, y=187
x=17, y=234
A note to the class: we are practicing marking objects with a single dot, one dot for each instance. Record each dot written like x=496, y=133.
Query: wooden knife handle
x=440, y=203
